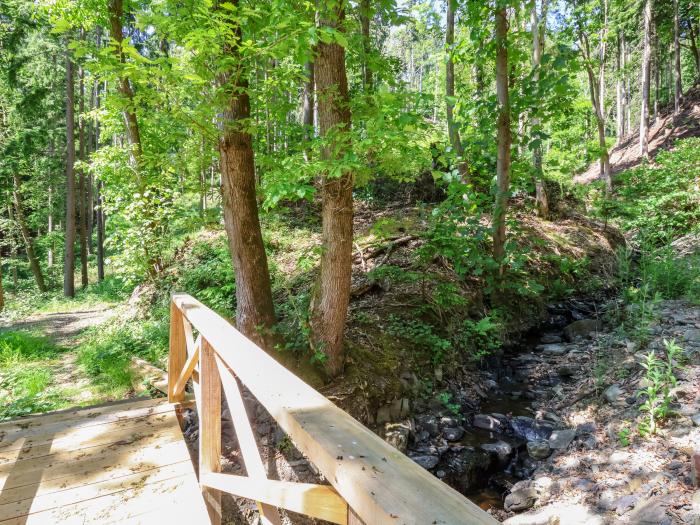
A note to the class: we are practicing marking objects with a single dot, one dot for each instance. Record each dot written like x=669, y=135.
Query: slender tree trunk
x=620, y=88
x=81, y=200
x=657, y=77
x=331, y=296
x=69, y=251
x=366, y=12
x=49, y=229
x=255, y=314
x=2, y=291
x=694, y=47
x=308, y=108
x=678, y=91
x=539, y=25
x=646, y=66
x=26, y=235
x=603, y=57
x=100, y=234
x=504, y=143
x=452, y=129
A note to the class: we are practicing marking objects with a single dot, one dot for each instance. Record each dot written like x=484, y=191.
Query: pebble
x=500, y=448
x=486, y=422
x=427, y=462
x=538, y=449
x=561, y=439
x=453, y=433
x=612, y=393
x=695, y=419
x=520, y=499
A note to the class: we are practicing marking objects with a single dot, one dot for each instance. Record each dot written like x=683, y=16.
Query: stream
x=492, y=444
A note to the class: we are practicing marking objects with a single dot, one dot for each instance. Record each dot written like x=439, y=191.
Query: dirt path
x=63, y=328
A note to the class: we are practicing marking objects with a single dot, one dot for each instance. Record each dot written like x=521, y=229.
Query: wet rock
x=467, y=468
x=453, y=433
x=426, y=461
x=695, y=419
x=538, y=449
x=553, y=349
x=530, y=429
x=428, y=423
x=486, y=422
x=396, y=434
x=520, y=499
x=561, y=439
x=501, y=449
x=547, y=339
x=581, y=328
x=612, y=394
x=448, y=421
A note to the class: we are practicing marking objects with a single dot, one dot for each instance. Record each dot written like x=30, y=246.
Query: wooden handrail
x=373, y=483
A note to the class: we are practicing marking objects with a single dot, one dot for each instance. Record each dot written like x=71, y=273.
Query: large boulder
x=531, y=429
x=467, y=468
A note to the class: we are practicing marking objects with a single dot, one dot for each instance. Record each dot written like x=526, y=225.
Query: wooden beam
x=317, y=501
x=246, y=439
x=187, y=369
x=210, y=428
x=377, y=481
x=178, y=351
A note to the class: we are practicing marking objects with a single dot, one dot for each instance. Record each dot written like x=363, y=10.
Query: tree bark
x=255, y=314
x=26, y=235
x=69, y=251
x=539, y=25
x=2, y=291
x=620, y=88
x=504, y=143
x=678, y=91
x=331, y=296
x=365, y=8
x=452, y=129
x=81, y=200
x=694, y=47
x=646, y=67
x=49, y=229
x=308, y=108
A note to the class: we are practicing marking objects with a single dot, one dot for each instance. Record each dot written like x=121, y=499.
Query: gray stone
x=582, y=328
x=520, y=499
x=692, y=335
x=426, y=461
x=561, y=439
x=467, y=468
x=613, y=393
x=608, y=500
x=428, y=423
x=530, y=429
x=626, y=503
x=553, y=349
x=499, y=448
x=650, y=512
x=547, y=339
x=695, y=418
x=453, y=433
x=486, y=422
x=566, y=371
x=538, y=449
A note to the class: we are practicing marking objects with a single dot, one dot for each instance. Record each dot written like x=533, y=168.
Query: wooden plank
x=376, y=480
x=66, y=422
x=178, y=352
x=103, y=463
x=317, y=501
x=43, y=501
x=246, y=439
x=187, y=370
x=210, y=427
x=90, y=437
x=175, y=500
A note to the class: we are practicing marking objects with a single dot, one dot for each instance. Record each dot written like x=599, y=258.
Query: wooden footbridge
x=128, y=462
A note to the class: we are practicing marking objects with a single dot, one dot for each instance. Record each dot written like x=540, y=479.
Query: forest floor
x=63, y=328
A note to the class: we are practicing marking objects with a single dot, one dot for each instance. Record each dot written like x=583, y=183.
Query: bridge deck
x=124, y=462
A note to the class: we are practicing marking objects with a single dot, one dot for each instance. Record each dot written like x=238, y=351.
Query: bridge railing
x=371, y=481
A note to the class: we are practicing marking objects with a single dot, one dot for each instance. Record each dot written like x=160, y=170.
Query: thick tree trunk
x=504, y=143
x=26, y=235
x=678, y=91
x=69, y=251
x=255, y=314
x=539, y=25
x=81, y=201
x=365, y=8
x=331, y=296
x=452, y=129
x=646, y=74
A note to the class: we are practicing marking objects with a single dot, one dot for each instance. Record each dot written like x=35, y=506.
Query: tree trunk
x=602, y=57
x=26, y=235
x=694, y=47
x=504, y=142
x=331, y=296
x=2, y=291
x=678, y=91
x=308, y=109
x=366, y=12
x=539, y=25
x=255, y=314
x=620, y=88
x=656, y=63
x=81, y=202
x=49, y=229
x=646, y=66
x=69, y=251
x=452, y=129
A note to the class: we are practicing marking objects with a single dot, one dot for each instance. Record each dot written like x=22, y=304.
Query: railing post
x=178, y=352
x=210, y=427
